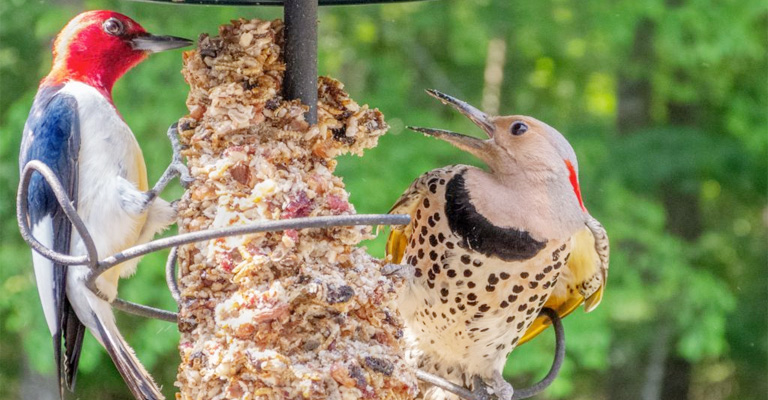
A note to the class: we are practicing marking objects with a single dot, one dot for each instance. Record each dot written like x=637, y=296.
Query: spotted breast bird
x=485, y=251
x=74, y=128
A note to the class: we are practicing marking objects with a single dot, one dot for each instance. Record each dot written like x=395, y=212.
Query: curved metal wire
x=170, y=275
x=22, y=214
x=99, y=267
x=557, y=363
x=145, y=311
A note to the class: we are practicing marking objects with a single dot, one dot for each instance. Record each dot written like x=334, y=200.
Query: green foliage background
x=664, y=101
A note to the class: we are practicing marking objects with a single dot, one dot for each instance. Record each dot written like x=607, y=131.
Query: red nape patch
x=574, y=182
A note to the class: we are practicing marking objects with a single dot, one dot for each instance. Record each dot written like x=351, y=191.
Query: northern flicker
x=486, y=250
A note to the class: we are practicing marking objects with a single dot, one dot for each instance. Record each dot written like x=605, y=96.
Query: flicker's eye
x=518, y=128
x=114, y=27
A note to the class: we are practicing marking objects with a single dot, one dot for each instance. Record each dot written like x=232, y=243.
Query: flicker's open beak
x=467, y=143
x=473, y=145
x=480, y=118
x=155, y=44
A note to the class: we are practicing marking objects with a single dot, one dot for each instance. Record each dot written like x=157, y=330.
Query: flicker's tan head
x=516, y=145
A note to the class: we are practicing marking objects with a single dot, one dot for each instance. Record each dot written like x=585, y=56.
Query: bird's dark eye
x=114, y=27
x=518, y=128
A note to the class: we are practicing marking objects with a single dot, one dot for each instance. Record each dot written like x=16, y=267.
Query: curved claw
x=177, y=164
x=185, y=179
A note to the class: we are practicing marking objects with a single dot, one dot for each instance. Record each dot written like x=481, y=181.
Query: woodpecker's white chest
x=108, y=151
x=471, y=300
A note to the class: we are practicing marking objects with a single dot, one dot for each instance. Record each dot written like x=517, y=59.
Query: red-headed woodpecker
x=75, y=130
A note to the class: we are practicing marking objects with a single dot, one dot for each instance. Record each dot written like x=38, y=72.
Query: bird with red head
x=75, y=130
x=98, y=47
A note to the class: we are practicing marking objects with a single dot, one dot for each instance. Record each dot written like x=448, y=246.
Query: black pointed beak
x=480, y=118
x=156, y=44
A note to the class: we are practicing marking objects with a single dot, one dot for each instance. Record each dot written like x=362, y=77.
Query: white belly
x=108, y=151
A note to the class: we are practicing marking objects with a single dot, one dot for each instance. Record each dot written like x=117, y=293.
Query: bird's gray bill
x=480, y=118
x=155, y=44
x=470, y=144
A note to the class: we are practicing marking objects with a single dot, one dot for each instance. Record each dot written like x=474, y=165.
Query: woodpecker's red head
x=98, y=47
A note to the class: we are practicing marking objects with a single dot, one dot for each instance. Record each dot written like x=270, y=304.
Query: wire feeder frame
x=98, y=267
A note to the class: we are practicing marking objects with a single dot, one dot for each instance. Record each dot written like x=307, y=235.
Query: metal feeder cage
x=300, y=17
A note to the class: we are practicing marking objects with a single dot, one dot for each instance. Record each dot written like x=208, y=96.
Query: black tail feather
x=73, y=344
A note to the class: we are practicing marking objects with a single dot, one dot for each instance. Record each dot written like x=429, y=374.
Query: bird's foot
x=175, y=168
x=404, y=271
x=132, y=200
x=498, y=388
x=177, y=163
x=501, y=388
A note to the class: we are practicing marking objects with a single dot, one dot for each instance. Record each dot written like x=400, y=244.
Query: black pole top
x=300, y=52
x=272, y=2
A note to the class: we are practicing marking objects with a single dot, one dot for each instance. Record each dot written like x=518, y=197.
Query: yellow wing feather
x=399, y=235
x=588, y=262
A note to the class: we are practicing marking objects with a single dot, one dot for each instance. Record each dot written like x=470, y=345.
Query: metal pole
x=301, y=54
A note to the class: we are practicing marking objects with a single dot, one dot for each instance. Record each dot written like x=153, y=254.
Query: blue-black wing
x=52, y=135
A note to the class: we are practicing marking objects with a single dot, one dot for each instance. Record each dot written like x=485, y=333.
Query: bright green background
x=664, y=101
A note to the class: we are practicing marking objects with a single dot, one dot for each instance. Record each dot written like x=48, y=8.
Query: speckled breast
x=466, y=309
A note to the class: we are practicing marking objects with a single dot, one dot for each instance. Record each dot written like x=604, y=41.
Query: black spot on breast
x=479, y=234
